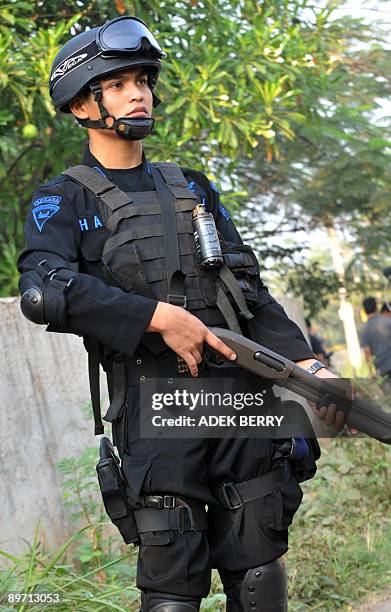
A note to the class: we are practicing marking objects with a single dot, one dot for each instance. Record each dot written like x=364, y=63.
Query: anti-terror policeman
x=110, y=256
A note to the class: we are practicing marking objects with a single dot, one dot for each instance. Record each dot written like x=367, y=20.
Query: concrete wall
x=43, y=385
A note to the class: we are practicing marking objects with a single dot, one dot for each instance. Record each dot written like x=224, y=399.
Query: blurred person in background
x=375, y=338
x=317, y=343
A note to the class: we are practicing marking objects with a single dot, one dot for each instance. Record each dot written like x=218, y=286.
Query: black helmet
x=123, y=42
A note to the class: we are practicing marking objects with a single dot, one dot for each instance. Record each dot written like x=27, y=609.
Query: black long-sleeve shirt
x=65, y=228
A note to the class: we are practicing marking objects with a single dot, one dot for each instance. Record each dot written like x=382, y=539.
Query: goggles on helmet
x=125, y=35
x=121, y=37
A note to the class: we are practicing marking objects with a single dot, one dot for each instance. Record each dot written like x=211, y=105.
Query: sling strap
x=92, y=348
x=234, y=288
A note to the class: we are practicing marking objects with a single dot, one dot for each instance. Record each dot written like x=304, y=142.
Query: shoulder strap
x=172, y=174
x=175, y=276
x=101, y=187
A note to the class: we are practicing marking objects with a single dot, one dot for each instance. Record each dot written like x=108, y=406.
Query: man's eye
x=143, y=80
x=115, y=85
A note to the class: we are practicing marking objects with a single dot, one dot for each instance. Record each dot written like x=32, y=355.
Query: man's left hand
x=329, y=414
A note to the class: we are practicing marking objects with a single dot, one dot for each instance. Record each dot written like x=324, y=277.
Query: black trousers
x=236, y=540
x=180, y=563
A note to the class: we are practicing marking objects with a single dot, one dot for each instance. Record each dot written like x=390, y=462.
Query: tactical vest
x=151, y=248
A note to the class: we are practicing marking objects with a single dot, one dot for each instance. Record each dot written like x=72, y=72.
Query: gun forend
x=366, y=417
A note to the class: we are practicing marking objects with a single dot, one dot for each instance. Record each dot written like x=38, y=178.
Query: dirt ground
x=377, y=604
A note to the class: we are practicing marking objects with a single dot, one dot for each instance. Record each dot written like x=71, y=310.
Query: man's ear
x=78, y=108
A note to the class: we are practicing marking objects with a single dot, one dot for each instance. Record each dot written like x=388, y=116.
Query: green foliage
x=93, y=569
x=346, y=510
x=314, y=285
x=240, y=79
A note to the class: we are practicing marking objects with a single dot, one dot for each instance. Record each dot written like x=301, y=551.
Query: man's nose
x=135, y=93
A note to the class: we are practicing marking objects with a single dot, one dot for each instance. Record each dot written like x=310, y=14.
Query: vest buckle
x=177, y=300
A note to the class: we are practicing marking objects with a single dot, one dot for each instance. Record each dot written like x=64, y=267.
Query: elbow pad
x=47, y=304
x=31, y=305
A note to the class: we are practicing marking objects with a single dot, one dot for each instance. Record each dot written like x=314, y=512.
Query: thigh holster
x=167, y=513
x=114, y=494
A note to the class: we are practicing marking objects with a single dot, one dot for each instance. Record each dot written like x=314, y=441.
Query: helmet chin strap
x=125, y=127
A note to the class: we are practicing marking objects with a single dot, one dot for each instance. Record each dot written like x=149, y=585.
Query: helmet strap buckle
x=125, y=127
x=96, y=89
x=109, y=119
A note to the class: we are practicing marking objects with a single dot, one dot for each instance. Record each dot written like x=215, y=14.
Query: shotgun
x=367, y=417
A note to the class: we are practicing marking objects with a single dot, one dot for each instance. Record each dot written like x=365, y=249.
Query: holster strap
x=180, y=518
x=234, y=495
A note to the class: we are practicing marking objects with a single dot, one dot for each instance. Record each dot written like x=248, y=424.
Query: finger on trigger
x=219, y=345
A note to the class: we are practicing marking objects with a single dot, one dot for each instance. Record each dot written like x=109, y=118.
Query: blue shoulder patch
x=44, y=208
x=224, y=211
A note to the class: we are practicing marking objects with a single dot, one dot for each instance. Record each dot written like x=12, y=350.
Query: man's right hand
x=185, y=334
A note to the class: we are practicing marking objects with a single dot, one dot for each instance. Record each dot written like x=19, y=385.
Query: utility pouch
x=302, y=454
x=243, y=263
x=305, y=466
x=114, y=495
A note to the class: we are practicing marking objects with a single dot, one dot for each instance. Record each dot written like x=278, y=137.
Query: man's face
x=124, y=94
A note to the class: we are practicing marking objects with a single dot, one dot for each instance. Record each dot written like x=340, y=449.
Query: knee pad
x=262, y=589
x=162, y=602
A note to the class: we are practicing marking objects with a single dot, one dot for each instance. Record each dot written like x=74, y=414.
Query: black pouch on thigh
x=118, y=499
x=179, y=568
x=305, y=467
x=281, y=505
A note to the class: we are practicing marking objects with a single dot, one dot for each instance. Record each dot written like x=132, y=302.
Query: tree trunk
x=345, y=312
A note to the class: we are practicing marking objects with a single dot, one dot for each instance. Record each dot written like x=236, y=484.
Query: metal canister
x=207, y=242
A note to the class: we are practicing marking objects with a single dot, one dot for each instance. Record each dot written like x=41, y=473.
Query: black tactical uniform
x=72, y=236
x=176, y=477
